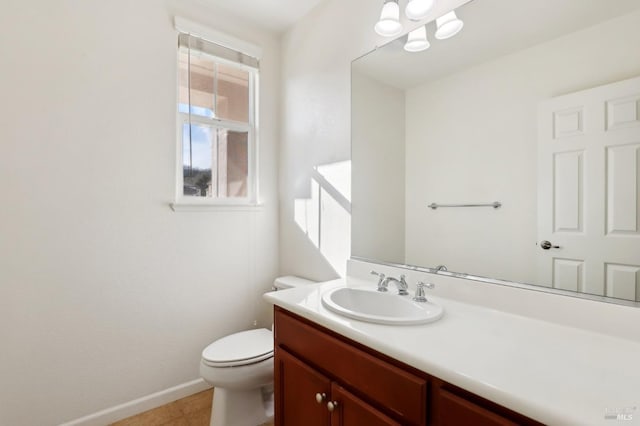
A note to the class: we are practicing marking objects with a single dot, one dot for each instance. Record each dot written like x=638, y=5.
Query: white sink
x=380, y=308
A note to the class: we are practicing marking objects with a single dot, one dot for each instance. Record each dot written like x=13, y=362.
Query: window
x=216, y=119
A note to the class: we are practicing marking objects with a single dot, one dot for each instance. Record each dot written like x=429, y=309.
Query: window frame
x=189, y=203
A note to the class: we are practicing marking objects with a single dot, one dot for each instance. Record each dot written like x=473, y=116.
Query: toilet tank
x=290, y=281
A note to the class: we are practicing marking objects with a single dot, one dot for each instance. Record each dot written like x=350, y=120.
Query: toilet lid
x=246, y=347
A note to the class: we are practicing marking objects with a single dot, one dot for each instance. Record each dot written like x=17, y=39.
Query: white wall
x=316, y=57
x=378, y=154
x=471, y=137
x=316, y=61
x=106, y=294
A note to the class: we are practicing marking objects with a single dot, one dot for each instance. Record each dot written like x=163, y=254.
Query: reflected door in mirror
x=589, y=191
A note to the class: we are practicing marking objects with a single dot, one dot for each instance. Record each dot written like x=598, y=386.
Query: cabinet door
x=296, y=385
x=385, y=384
x=455, y=411
x=352, y=411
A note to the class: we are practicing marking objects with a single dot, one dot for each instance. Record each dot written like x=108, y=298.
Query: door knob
x=320, y=397
x=546, y=245
x=332, y=405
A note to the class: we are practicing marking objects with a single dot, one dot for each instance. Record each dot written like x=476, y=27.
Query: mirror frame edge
x=506, y=283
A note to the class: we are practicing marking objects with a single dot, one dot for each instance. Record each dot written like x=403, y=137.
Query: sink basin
x=380, y=308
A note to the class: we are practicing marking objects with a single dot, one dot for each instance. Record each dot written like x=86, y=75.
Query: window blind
x=196, y=43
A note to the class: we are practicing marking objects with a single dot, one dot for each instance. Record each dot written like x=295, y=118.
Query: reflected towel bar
x=495, y=205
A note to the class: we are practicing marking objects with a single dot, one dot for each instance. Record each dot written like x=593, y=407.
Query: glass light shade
x=417, y=40
x=389, y=23
x=448, y=26
x=418, y=9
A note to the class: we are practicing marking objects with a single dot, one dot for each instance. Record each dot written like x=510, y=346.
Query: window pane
x=202, y=87
x=198, y=154
x=233, y=163
x=215, y=163
x=233, y=93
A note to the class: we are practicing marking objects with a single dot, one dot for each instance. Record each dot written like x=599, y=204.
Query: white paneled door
x=589, y=191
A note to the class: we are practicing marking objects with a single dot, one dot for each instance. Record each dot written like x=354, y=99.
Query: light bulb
x=417, y=40
x=448, y=26
x=418, y=9
x=389, y=23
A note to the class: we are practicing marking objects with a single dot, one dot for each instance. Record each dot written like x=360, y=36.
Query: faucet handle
x=420, y=294
x=403, y=286
x=381, y=277
x=430, y=286
x=377, y=274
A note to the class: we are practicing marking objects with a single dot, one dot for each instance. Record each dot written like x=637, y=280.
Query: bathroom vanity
x=498, y=356
x=476, y=156
x=322, y=378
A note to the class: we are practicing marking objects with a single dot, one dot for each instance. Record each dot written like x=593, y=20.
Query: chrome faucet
x=420, y=296
x=441, y=268
x=380, y=280
x=400, y=283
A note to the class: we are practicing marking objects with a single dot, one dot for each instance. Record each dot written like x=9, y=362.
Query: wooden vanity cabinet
x=305, y=395
x=325, y=379
x=297, y=385
x=453, y=406
x=355, y=412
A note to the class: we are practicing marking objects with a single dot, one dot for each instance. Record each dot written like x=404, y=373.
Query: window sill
x=202, y=207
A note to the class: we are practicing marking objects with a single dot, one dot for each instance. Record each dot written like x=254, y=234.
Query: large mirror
x=510, y=151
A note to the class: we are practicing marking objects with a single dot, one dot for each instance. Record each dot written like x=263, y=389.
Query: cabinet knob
x=320, y=397
x=332, y=405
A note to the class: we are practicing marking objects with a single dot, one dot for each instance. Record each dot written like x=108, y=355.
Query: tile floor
x=194, y=410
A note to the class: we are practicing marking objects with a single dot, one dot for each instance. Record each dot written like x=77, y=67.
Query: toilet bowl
x=240, y=368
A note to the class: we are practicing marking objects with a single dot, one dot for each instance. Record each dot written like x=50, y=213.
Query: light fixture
x=448, y=26
x=417, y=40
x=418, y=9
x=389, y=23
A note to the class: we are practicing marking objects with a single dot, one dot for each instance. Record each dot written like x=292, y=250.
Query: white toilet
x=240, y=367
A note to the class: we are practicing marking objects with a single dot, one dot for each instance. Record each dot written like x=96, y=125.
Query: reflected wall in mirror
x=536, y=105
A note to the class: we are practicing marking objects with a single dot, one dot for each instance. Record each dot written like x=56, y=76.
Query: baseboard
x=140, y=405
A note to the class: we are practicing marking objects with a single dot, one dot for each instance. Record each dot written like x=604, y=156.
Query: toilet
x=240, y=368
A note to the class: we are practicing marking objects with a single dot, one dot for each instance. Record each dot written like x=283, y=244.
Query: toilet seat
x=243, y=348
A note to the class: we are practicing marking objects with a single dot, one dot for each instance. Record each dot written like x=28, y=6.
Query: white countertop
x=552, y=373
